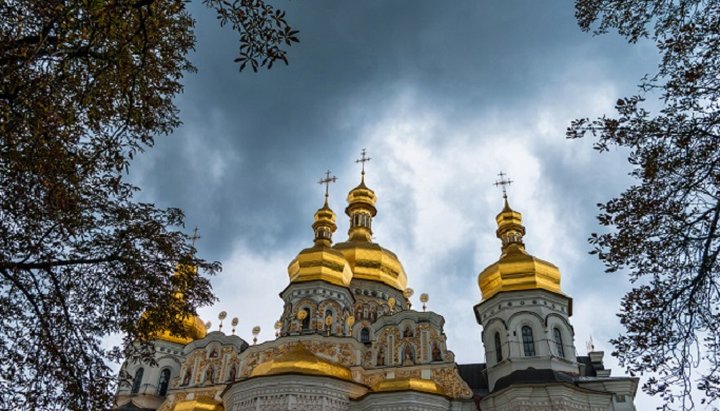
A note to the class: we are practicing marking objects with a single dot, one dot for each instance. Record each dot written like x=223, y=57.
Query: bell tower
x=523, y=312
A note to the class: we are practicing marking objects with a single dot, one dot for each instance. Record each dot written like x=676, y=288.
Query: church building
x=349, y=339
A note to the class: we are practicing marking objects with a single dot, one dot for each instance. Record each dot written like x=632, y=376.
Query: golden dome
x=368, y=260
x=361, y=208
x=194, y=330
x=203, y=403
x=321, y=262
x=193, y=327
x=408, y=384
x=301, y=361
x=516, y=269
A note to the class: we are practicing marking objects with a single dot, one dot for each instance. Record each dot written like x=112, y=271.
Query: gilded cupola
x=321, y=261
x=300, y=360
x=516, y=269
x=368, y=260
x=192, y=326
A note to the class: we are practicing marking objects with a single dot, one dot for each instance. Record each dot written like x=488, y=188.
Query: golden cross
x=503, y=183
x=363, y=159
x=327, y=180
x=195, y=236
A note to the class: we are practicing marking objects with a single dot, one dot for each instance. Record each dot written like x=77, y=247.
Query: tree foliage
x=664, y=229
x=86, y=85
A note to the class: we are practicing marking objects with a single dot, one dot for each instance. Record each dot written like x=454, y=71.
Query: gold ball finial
x=255, y=333
x=424, y=298
x=234, y=324
x=221, y=317
x=407, y=294
x=301, y=315
x=350, y=321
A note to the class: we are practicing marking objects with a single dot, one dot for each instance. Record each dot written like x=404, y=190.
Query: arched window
x=306, y=320
x=498, y=348
x=559, y=342
x=408, y=354
x=210, y=375
x=328, y=313
x=137, y=380
x=528, y=341
x=163, y=382
x=233, y=373
x=365, y=335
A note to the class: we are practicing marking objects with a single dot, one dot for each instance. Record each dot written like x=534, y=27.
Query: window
x=365, y=335
x=210, y=375
x=559, y=342
x=498, y=348
x=528, y=342
x=328, y=313
x=163, y=382
x=137, y=380
x=306, y=320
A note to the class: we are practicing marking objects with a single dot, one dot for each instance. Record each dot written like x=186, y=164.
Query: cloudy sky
x=443, y=95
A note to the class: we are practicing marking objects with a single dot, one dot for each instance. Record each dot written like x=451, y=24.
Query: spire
x=324, y=224
x=510, y=229
x=361, y=206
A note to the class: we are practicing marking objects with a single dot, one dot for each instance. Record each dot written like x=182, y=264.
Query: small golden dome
x=516, y=269
x=193, y=327
x=408, y=384
x=301, y=361
x=202, y=403
x=361, y=209
x=321, y=262
x=194, y=330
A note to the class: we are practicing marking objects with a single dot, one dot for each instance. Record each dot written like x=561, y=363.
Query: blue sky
x=443, y=95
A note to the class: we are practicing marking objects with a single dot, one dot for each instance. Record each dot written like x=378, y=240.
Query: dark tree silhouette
x=85, y=85
x=664, y=229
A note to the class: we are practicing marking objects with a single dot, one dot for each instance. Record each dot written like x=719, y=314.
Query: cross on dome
x=327, y=180
x=195, y=236
x=503, y=183
x=363, y=159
